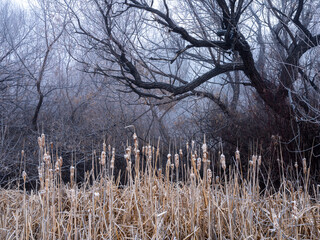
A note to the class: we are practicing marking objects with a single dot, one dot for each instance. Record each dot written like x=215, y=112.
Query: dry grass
x=153, y=206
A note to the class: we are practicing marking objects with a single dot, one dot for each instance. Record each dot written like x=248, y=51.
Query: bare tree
x=266, y=41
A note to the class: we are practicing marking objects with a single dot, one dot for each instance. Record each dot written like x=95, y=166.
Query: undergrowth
x=185, y=200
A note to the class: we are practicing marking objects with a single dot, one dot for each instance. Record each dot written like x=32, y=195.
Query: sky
x=21, y=3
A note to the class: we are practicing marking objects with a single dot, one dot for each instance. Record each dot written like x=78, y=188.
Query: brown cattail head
x=237, y=155
x=57, y=166
x=39, y=142
x=204, y=148
x=304, y=164
x=198, y=164
x=209, y=175
x=47, y=158
x=149, y=153
x=127, y=156
x=43, y=140
x=113, y=158
x=129, y=164
x=296, y=164
x=259, y=161
x=254, y=160
x=71, y=171
x=176, y=160
x=137, y=155
x=24, y=176
x=135, y=139
x=47, y=181
x=223, y=161
x=103, y=158
x=169, y=160
x=205, y=152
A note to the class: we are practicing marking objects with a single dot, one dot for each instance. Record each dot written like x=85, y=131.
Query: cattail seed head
x=46, y=158
x=149, y=153
x=137, y=155
x=254, y=160
x=198, y=164
x=112, y=163
x=209, y=175
x=47, y=184
x=237, y=155
x=57, y=166
x=43, y=140
x=296, y=164
x=251, y=163
x=176, y=160
x=223, y=161
x=39, y=142
x=103, y=158
x=259, y=161
x=24, y=175
x=113, y=158
x=304, y=164
x=135, y=137
x=169, y=159
x=204, y=147
x=71, y=171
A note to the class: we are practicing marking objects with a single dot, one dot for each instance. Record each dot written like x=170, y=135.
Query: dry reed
x=153, y=206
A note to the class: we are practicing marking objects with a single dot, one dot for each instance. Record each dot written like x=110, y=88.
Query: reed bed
x=182, y=201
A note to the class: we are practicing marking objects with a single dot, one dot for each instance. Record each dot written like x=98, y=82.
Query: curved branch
x=168, y=22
